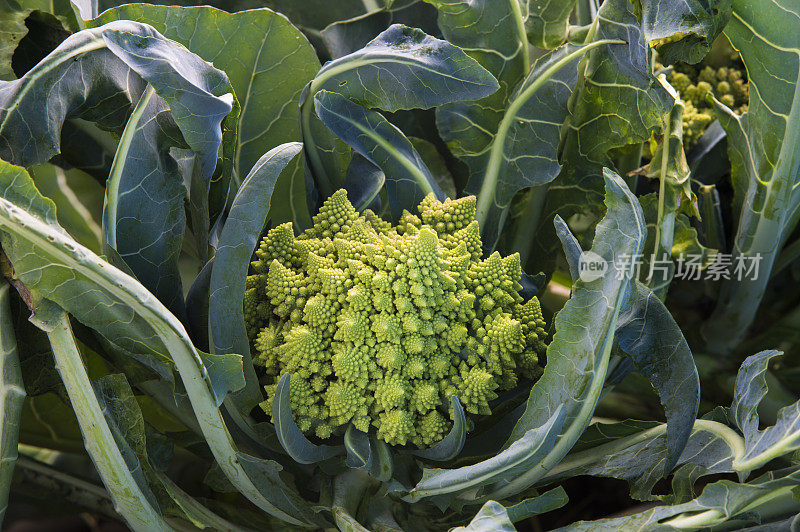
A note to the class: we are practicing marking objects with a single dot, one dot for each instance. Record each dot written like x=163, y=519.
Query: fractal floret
x=727, y=84
x=380, y=325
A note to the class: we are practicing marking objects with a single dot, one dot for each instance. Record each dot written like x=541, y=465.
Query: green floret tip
x=380, y=325
x=696, y=85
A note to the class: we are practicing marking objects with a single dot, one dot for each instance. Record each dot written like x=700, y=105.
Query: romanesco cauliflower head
x=381, y=325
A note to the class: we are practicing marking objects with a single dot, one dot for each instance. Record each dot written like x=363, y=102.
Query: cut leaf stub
x=409, y=313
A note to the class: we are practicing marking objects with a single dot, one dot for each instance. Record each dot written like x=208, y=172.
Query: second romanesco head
x=380, y=325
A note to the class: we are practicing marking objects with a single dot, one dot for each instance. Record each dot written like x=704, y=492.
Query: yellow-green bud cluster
x=381, y=325
x=696, y=85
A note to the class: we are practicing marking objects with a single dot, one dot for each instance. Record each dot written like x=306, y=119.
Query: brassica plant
x=401, y=265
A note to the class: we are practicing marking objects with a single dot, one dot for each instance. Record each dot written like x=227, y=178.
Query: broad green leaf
x=402, y=68
x=640, y=457
x=762, y=147
x=132, y=497
x=267, y=60
x=12, y=396
x=491, y=517
x=66, y=272
x=493, y=33
x=547, y=22
x=363, y=183
x=649, y=335
x=240, y=234
x=347, y=35
x=616, y=103
x=524, y=149
x=408, y=180
x=143, y=215
x=577, y=357
x=450, y=446
x=749, y=390
x=683, y=30
x=719, y=502
x=761, y=446
x=291, y=437
x=78, y=198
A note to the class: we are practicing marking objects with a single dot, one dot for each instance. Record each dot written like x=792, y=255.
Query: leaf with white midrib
x=408, y=179
x=402, y=68
x=267, y=60
x=763, y=150
x=50, y=262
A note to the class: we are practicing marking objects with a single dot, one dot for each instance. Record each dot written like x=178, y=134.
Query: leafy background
x=172, y=138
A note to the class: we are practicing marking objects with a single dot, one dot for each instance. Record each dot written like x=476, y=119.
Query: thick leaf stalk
x=52, y=244
x=129, y=498
x=765, y=161
x=12, y=396
x=503, y=160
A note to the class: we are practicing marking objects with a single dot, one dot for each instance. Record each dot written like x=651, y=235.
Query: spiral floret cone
x=381, y=325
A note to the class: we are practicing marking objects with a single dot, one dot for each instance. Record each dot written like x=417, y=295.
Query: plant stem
x=576, y=461
x=172, y=334
x=711, y=213
x=129, y=500
x=348, y=495
x=528, y=222
x=522, y=35
x=486, y=196
x=12, y=396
